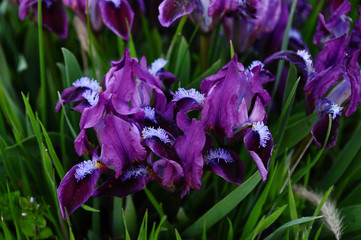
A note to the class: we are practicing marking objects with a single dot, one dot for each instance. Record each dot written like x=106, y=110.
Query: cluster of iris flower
x=145, y=132
x=148, y=133
x=117, y=15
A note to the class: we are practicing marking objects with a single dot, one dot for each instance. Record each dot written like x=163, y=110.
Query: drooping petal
x=54, y=18
x=170, y=10
x=319, y=131
x=259, y=145
x=169, y=171
x=117, y=16
x=189, y=149
x=121, y=144
x=226, y=164
x=77, y=186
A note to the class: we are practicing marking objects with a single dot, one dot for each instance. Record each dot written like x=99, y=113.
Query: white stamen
x=213, y=156
x=150, y=114
x=31, y=199
x=307, y=58
x=191, y=93
x=91, y=96
x=335, y=110
x=134, y=172
x=85, y=168
x=254, y=64
x=88, y=83
x=262, y=130
x=149, y=132
x=157, y=65
x=23, y=214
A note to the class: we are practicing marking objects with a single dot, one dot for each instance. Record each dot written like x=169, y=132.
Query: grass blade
x=223, y=207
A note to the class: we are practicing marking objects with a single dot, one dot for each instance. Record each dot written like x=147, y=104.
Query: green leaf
x=266, y=222
x=143, y=228
x=231, y=48
x=131, y=215
x=223, y=207
x=298, y=175
x=292, y=204
x=258, y=207
x=204, y=234
x=278, y=231
x=177, y=236
x=127, y=237
x=230, y=230
x=297, y=131
x=54, y=157
x=352, y=218
x=89, y=208
x=212, y=70
x=118, y=226
x=176, y=35
x=343, y=160
x=182, y=62
x=72, y=68
x=7, y=232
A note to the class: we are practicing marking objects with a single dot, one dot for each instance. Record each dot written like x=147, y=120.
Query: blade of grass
x=230, y=230
x=258, y=207
x=343, y=160
x=66, y=118
x=143, y=231
x=177, y=236
x=90, y=36
x=176, y=35
x=284, y=46
x=266, y=222
x=72, y=68
x=223, y=207
x=43, y=88
x=285, y=226
x=317, y=211
x=298, y=175
x=55, y=160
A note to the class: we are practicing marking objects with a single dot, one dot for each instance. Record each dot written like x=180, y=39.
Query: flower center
x=263, y=132
x=86, y=82
x=85, y=168
x=149, y=132
x=157, y=65
x=150, y=114
x=307, y=58
x=91, y=96
x=213, y=156
x=191, y=93
x=134, y=172
x=335, y=110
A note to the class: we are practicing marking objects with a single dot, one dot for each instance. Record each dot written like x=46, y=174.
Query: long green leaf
x=278, y=231
x=223, y=207
x=258, y=207
x=343, y=160
x=72, y=68
x=143, y=231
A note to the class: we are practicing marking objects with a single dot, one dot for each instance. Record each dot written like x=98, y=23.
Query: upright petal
x=189, y=149
x=121, y=144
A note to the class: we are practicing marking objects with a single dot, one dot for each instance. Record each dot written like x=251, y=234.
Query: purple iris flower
x=337, y=25
x=117, y=16
x=226, y=164
x=210, y=11
x=78, y=184
x=234, y=108
x=318, y=132
x=54, y=17
x=84, y=94
x=251, y=20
